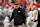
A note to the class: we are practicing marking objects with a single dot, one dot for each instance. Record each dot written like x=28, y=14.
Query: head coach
x=18, y=15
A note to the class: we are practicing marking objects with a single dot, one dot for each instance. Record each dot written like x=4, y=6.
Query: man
x=29, y=16
x=19, y=16
x=29, y=12
x=34, y=16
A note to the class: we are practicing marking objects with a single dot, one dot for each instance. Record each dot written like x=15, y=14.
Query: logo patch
x=19, y=11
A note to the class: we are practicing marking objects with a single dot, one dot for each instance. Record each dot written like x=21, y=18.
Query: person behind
x=5, y=11
x=6, y=21
x=29, y=12
x=18, y=15
x=34, y=16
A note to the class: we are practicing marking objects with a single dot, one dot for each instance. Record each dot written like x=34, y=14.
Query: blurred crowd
x=7, y=7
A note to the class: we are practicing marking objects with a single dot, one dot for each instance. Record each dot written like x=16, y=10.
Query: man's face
x=17, y=6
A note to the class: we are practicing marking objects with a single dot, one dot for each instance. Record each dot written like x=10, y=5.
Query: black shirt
x=19, y=16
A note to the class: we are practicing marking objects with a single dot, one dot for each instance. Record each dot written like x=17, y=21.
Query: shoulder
x=21, y=9
x=30, y=11
x=35, y=10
